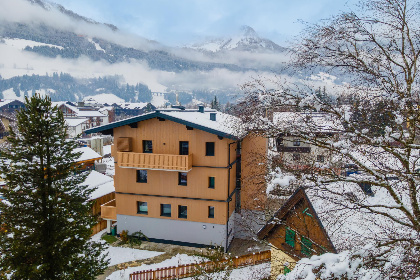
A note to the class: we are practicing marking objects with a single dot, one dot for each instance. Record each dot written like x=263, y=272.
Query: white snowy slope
x=22, y=43
x=246, y=40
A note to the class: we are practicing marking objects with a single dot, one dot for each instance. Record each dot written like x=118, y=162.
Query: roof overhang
x=107, y=128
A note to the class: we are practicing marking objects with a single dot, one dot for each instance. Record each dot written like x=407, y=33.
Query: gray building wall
x=174, y=230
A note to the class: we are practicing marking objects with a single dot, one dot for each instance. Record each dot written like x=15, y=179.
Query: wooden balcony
x=181, y=163
x=109, y=210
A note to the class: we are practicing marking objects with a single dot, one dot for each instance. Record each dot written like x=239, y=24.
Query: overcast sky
x=179, y=22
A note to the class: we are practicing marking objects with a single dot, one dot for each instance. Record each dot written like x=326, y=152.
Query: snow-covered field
x=121, y=255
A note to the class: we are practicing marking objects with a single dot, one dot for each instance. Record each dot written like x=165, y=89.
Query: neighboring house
x=297, y=153
x=10, y=105
x=5, y=122
x=317, y=220
x=76, y=126
x=70, y=110
x=104, y=193
x=87, y=158
x=176, y=175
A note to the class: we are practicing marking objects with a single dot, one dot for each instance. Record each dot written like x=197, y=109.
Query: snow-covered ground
x=121, y=255
x=246, y=273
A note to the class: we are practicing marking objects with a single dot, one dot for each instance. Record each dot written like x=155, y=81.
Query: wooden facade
x=98, y=211
x=163, y=164
x=253, y=172
x=295, y=232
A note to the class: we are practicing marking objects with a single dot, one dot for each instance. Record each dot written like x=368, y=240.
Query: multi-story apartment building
x=176, y=175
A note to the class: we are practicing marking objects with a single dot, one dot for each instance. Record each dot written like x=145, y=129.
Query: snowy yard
x=121, y=255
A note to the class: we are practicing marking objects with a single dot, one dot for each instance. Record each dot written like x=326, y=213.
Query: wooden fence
x=192, y=269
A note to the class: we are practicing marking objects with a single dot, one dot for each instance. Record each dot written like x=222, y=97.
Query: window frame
x=210, y=149
x=180, y=216
x=320, y=158
x=145, y=147
x=138, y=176
x=212, y=182
x=180, y=178
x=211, y=212
x=162, y=207
x=296, y=142
x=142, y=212
x=181, y=148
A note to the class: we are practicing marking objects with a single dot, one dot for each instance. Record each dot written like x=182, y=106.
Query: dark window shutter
x=290, y=237
x=306, y=248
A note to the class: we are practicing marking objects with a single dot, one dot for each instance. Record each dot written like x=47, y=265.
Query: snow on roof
x=74, y=122
x=349, y=225
x=224, y=122
x=79, y=112
x=314, y=122
x=224, y=125
x=87, y=154
x=103, y=184
x=7, y=101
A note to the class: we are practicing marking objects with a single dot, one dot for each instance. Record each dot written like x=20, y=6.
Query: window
x=320, y=158
x=182, y=178
x=296, y=157
x=165, y=210
x=142, y=208
x=366, y=187
x=296, y=142
x=211, y=211
x=279, y=142
x=290, y=237
x=141, y=176
x=183, y=147
x=209, y=148
x=147, y=146
x=182, y=211
x=306, y=246
x=211, y=182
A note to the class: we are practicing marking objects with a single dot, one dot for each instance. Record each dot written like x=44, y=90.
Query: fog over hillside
x=42, y=38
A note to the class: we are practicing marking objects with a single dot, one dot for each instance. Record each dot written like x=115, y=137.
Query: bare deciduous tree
x=374, y=107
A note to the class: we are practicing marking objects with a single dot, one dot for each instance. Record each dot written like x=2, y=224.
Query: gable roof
x=225, y=125
x=87, y=154
x=280, y=214
x=77, y=111
x=102, y=184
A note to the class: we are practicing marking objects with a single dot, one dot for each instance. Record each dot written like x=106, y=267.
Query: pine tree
x=46, y=222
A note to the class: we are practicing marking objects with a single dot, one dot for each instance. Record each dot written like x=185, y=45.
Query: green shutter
x=306, y=246
x=286, y=270
x=290, y=237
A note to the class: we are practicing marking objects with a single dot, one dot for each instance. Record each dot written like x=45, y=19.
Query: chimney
x=213, y=116
x=201, y=108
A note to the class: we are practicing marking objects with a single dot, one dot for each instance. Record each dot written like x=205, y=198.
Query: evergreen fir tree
x=46, y=220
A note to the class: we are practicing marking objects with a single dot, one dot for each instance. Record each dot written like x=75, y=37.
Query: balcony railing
x=154, y=161
x=109, y=210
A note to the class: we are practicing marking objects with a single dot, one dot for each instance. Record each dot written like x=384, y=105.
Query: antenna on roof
x=177, y=102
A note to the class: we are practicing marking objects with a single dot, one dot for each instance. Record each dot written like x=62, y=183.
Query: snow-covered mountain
x=247, y=40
